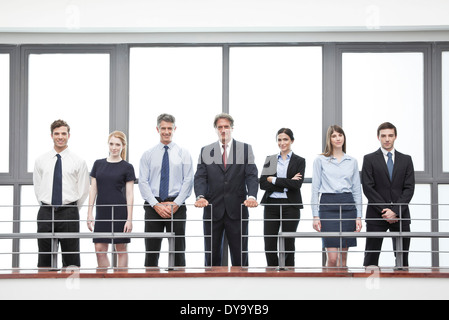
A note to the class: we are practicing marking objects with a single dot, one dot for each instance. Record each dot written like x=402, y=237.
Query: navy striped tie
x=165, y=174
x=56, y=198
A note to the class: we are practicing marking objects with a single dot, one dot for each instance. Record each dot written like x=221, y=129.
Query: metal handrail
x=171, y=236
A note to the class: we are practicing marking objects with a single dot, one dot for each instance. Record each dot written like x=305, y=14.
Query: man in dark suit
x=388, y=180
x=226, y=178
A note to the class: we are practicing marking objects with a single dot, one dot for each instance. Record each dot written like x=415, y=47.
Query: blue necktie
x=390, y=165
x=56, y=199
x=165, y=174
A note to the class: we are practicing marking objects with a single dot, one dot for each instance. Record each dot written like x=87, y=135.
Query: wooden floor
x=222, y=272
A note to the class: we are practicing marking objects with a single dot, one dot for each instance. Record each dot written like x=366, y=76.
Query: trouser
x=66, y=219
x=272, y=225
x=214, y=236
x=155, y=223
x=374, y=245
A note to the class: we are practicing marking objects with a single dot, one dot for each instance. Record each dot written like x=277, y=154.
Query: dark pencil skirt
x=334, y=219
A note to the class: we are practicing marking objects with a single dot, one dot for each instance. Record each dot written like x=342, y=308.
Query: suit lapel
x=292, y=166
x=383, y=164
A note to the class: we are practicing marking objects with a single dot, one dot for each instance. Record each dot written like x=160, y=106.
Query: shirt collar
x=63, y=153
x=228, y=144
x=289, y=155
x=385, y=152
x=345, y=157
x=170, y=145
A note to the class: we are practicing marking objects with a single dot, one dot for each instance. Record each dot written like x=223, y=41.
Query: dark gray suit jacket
x=226, y=189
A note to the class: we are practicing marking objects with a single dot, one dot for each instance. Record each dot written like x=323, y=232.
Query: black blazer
x=226, y=189
x=378, y=188
x=296, y=165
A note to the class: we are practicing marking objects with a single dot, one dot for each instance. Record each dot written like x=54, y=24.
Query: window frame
x=331, y=108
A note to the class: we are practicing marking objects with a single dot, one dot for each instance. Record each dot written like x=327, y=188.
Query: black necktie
x=165, y=175
x=56, y=199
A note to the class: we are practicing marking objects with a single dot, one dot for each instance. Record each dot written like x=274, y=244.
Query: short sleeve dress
x=111, y=190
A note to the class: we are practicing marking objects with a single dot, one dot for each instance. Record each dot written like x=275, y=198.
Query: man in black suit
x=226, y=178
x=388, y=180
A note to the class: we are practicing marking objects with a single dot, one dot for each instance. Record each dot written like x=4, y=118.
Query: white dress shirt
x=385, y=153
x=75, y=177
x=181, y=173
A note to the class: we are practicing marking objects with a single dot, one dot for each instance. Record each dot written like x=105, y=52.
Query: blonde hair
x=328, y=150
x=119, y=135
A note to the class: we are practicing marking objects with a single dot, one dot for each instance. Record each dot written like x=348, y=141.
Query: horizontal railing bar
x=68, y=235
x=364, y=234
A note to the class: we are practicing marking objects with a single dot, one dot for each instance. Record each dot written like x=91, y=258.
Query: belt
x=170, y=199
x=67, y=205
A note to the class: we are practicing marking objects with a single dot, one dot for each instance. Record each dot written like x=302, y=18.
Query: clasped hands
x=250, y=203
x=165, y=209
x=389, y=216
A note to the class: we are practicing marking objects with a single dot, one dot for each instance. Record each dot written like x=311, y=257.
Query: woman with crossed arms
x=282, y=180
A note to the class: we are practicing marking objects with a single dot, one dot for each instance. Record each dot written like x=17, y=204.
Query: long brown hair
x=119, y=135
x=328, y=150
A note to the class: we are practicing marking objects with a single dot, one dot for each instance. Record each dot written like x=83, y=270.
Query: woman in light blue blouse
x=336, y=179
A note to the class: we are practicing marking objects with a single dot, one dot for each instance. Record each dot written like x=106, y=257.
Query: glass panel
x=420, y=211
x=273, y=88
x=4, y=111
x=6, y=225
x=443, y=222
x=184, y=82
x=187, y=83
x=75, y=88
x=28, y=224
x=380, y=87
x=445, y=107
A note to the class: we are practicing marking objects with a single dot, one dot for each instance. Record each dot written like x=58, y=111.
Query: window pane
x=380, y=87
x=4, y=111
x=273, y=88
x=184, y=82
x=75, y=88
x=6, y=225
x=420, y=211
x=445, y=105
x=443, y=222
x=187, y=83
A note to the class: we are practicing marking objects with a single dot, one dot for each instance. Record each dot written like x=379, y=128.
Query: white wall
x=220, y=15
x=218, y=288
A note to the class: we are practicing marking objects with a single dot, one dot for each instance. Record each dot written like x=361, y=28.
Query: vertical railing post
x=399, y=243
x=54, y=242
x=171, y=244
x=281, y=252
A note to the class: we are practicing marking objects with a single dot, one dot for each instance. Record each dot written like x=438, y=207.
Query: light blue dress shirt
x=181, y=173
x=331, y=176
x=282, y=167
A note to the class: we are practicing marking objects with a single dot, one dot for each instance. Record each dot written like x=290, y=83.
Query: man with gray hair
x=165, y=182
x=226, y=178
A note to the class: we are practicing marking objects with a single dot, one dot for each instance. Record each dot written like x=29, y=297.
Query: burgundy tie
x=224, y=155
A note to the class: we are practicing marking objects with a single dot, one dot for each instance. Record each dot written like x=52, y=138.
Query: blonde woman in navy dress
x=336, y=180
x=112, y=183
